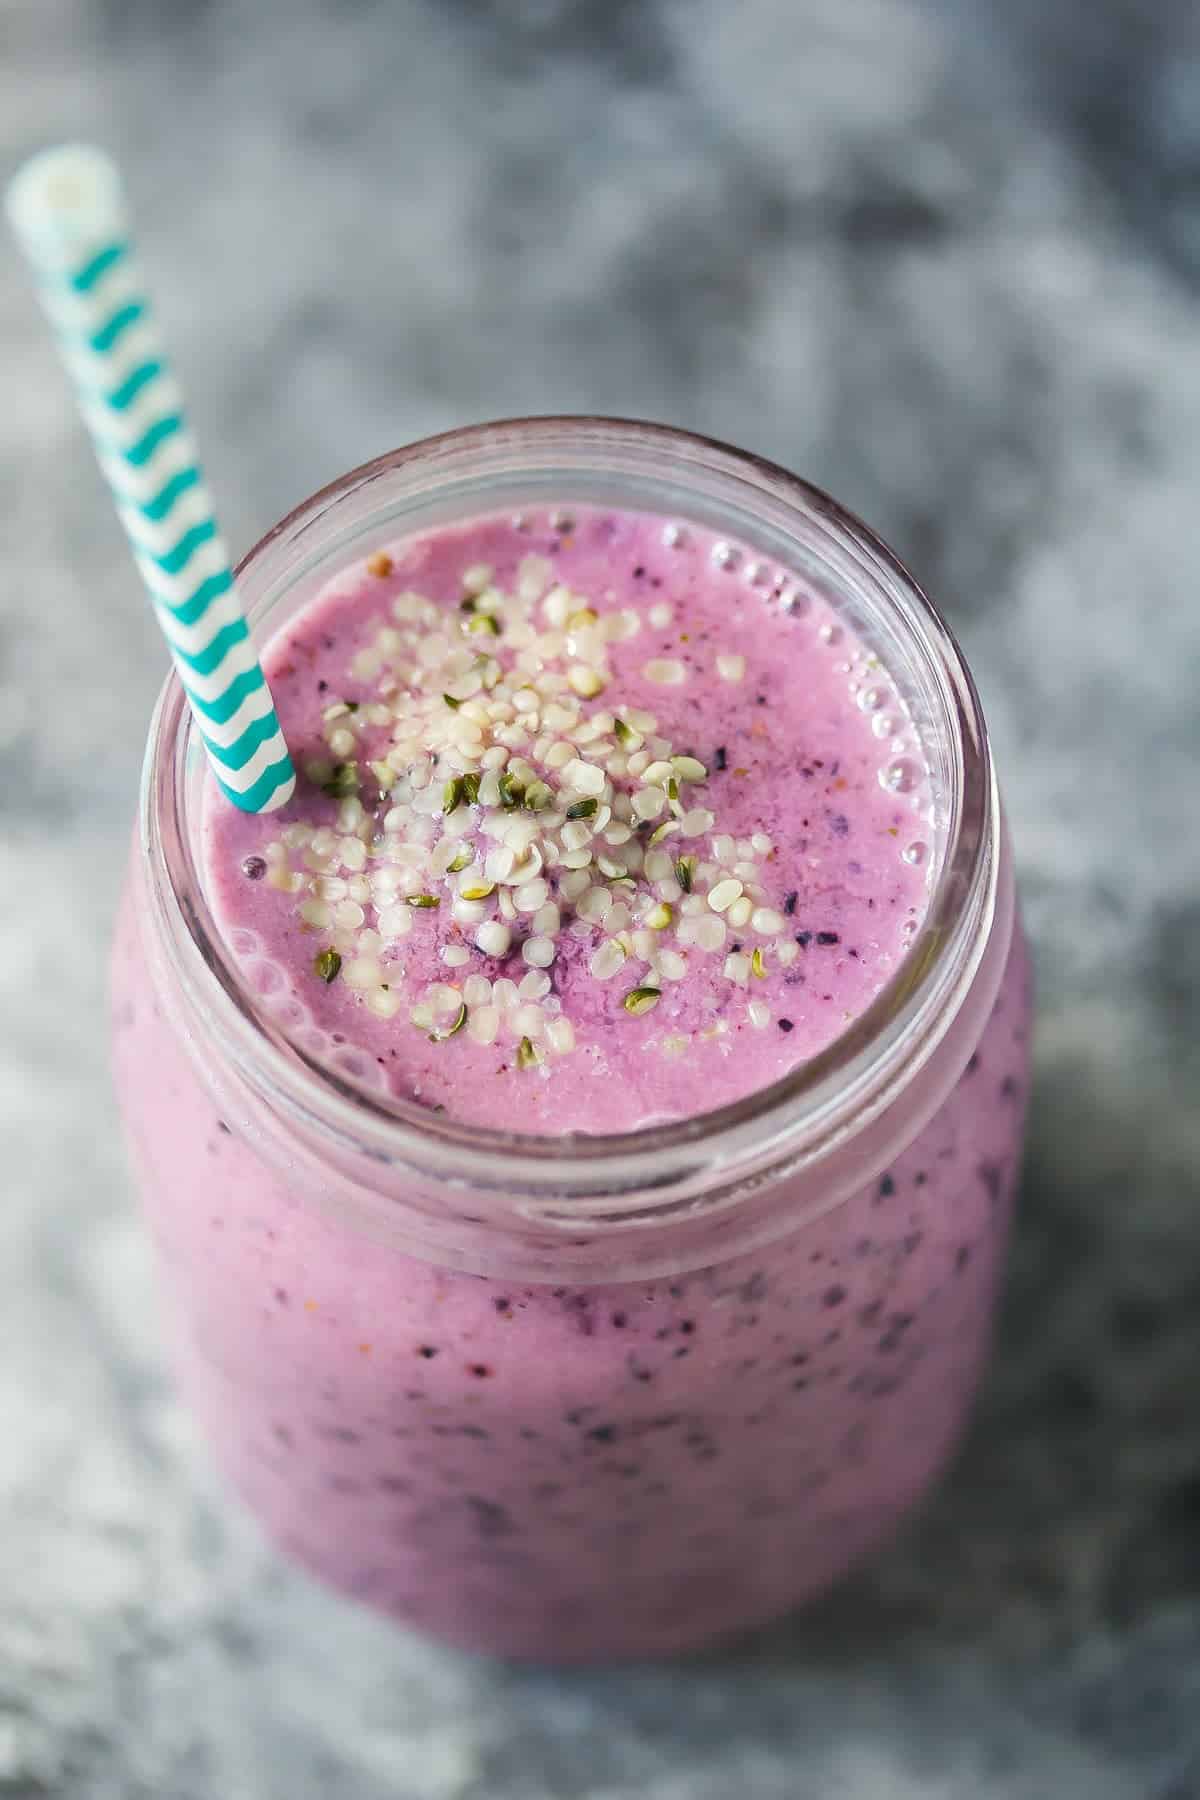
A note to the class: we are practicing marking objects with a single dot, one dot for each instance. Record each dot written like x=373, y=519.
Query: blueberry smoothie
x=603, y=822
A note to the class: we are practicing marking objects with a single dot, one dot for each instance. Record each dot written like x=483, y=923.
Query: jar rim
x=799, y=1114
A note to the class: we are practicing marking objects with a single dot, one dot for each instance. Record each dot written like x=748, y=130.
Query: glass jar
x=582, y=1398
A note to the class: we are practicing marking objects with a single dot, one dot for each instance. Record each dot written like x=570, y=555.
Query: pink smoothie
x=572, y=1471
x=671, y=722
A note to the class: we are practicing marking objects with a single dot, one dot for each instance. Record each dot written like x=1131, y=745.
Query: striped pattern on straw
x=67, y=210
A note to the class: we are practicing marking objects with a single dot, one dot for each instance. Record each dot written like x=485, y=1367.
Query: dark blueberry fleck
x=962, y=1257
x=639, y=571
x=602, y=1434
x=491, y=1519
x=839, y=824
x=222, y=1126
x=753, y=1290
x=789, y=905
x=972, y=1064
x=828, y=937
x=887, y=1187
x=785, y=1024
x=869, y=1314
x=804, y=939
x=619, y=1321
x=1010, y=1087
x=254, y=868
x=481, y=1371
x=322, y=686
x=281, y=1297
x=992, y=1176
x=426, y=1350
x=687, y=1326
x=502, y=1304
x=912, y=1242
x=721, y=758
x=833, y=1296
x=681, y=1352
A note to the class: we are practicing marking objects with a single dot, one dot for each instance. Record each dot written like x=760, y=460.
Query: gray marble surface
x=942, y=258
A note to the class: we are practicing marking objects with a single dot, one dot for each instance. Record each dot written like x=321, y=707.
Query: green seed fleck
x=758, y=965
x=685, y=868
x=662, y=831
x=470, y=783
x=422, y=900
x=453, y=794
x=672, y=788
x=528, y=1055
x=582, y=809
x=659, y=917
x=482, y=621
x=326, y=966
x=439, y=1037
x=451, y=702
x=512, y=792
x=343, y=781
x=477, y=893
x=626, y=736
x=467, y=603
x=641, y=1000
x=538, y=796
x=462, y=860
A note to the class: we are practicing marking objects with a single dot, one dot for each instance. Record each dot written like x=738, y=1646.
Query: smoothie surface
x=601, y=822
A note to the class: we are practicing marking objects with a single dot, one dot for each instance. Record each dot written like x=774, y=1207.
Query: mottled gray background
x=943, y=259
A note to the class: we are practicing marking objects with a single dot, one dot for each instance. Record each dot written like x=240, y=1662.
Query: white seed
x=556, y=605
x=696, y=823
x=483, y=1023
x=315, y=912
x=468, y=912
x=671, y=965
x=297, y=836
x=455, y=955
x=547, y=920
x=585, y=681
x=534, y=986
x=759, y=1013
x=349, y=915
x=533, y=573
x=500, y=863
x=606, y=960
x=649, y=802
x=422, y=1018
x=504, y=993
x=575, y=859
x=560, y=1035
x=575, y=834
x=583, y=777
x=362, y=972
x=528, y=1021
x=574, y=884
x=618, y=834
x=383, y=1002
x=739, y=912
x=660, y=614
x=664, y=671
x=706, y=931
x=353, y=853
x=761, y=844
x=766, y=921
x=493, y=938
x=689, y=768
x=595, y=904
x=659, y=773
x=531, y=896
x=737, y=968
x=395, y=921
x=477, y=990
x=657, y=866
x=722, y=897
x=618, y=918
x=731, y=667
x=443, y=999
x=476, y=578
x=538, y=952
x=785, y=953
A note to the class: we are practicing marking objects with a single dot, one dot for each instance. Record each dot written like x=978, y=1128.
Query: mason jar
x=593, y=1396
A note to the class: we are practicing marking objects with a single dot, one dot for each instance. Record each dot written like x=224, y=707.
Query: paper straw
x=68, y=212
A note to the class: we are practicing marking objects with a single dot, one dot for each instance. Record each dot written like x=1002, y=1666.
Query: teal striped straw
x=67, y=210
